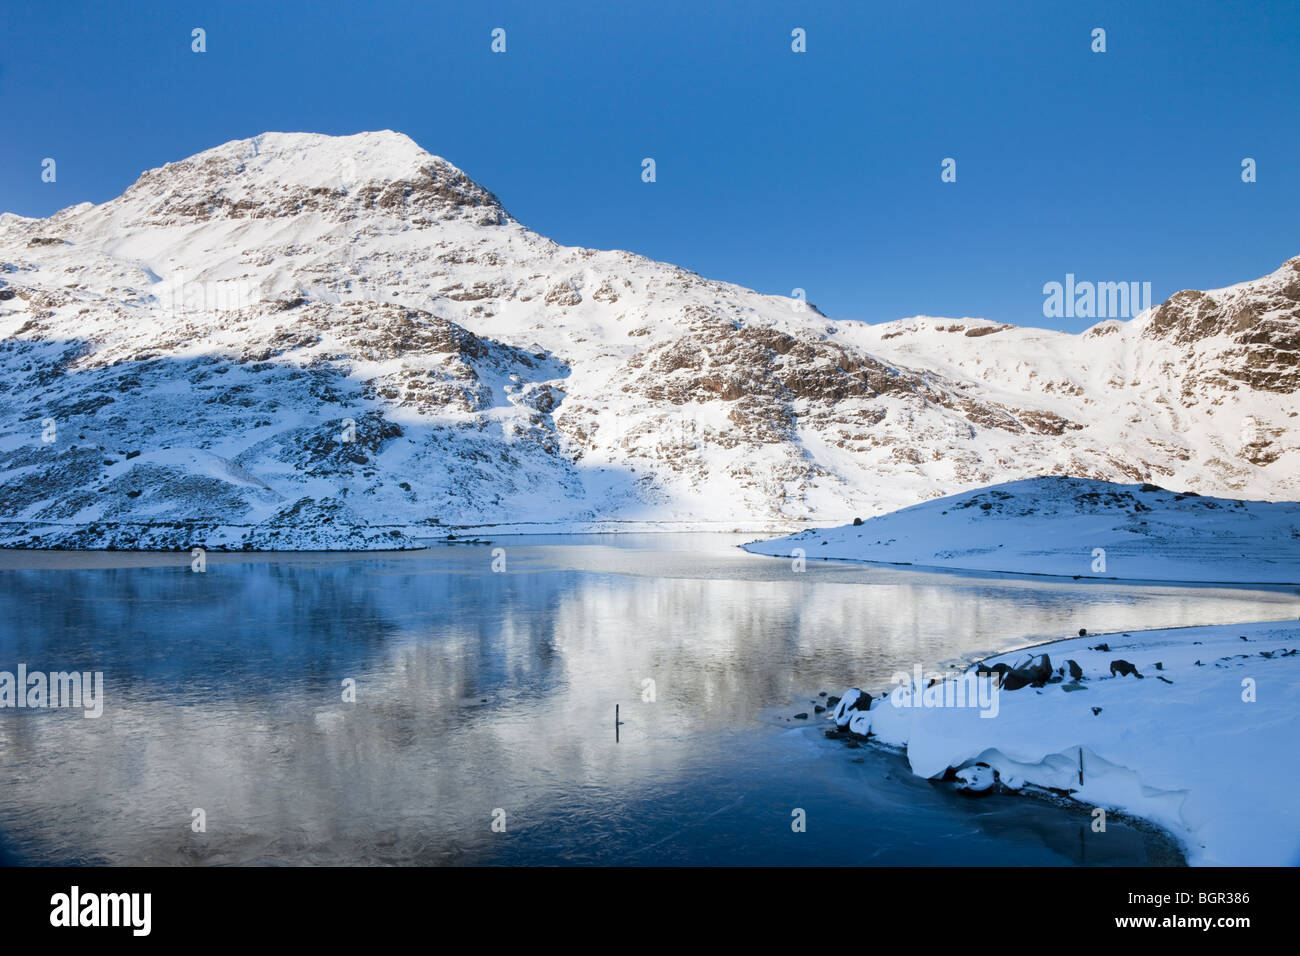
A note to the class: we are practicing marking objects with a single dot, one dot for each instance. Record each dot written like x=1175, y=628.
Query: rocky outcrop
x=232, y=316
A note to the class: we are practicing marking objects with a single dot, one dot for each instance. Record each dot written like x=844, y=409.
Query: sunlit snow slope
x=308, y=341
x=1073, y=527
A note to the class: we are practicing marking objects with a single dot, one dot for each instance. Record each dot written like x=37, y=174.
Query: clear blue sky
x=776, y=170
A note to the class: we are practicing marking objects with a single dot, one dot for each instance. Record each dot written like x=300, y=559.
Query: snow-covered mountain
x=308, y=341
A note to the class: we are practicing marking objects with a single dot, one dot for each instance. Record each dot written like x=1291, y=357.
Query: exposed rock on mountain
x=354, y=323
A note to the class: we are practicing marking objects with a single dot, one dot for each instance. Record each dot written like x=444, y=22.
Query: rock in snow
x=977, y=778
x=353, y=321
x=850, y=704
x=1210, y=756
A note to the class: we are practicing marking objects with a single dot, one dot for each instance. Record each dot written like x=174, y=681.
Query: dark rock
x=1096, y=711
x=1013, y=679
x=857, y=522
x=1100, y=647
x=802, y=715
x=1040, y=668
x=1076, y=672
x=819, y=709
x=854, y=700
x=1036, y=673
x=1123, y=668
x=1083, y=632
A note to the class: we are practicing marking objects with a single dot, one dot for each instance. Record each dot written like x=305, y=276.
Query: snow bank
x=304, y=525
x=1203, y=743
x=1074, y=527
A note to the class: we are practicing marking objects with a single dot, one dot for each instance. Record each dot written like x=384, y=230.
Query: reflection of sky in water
x=479, y=690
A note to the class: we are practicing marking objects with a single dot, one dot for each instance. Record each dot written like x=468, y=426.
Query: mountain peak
x=277, y=174
x=316, y=159
x=298, y=339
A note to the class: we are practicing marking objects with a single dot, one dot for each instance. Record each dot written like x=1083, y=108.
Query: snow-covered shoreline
x=1202, y=744
x=353, y=538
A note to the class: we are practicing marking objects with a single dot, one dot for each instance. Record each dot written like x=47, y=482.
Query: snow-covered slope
x=297, y=327
x=1076, y=527
x=1203, y=742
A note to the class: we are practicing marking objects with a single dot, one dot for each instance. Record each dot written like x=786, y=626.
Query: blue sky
x=775, y=170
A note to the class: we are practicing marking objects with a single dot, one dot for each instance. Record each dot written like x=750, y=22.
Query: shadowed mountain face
x=310, y=341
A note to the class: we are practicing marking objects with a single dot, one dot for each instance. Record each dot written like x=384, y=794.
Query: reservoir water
x=482, y=729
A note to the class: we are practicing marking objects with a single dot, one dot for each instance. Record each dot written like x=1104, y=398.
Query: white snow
x=1074, y=528
x=1204, y=744
x=975, y=778
x=245, y=301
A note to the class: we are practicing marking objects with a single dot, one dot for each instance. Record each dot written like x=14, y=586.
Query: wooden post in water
x=616, y=723
x=1081, y=765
